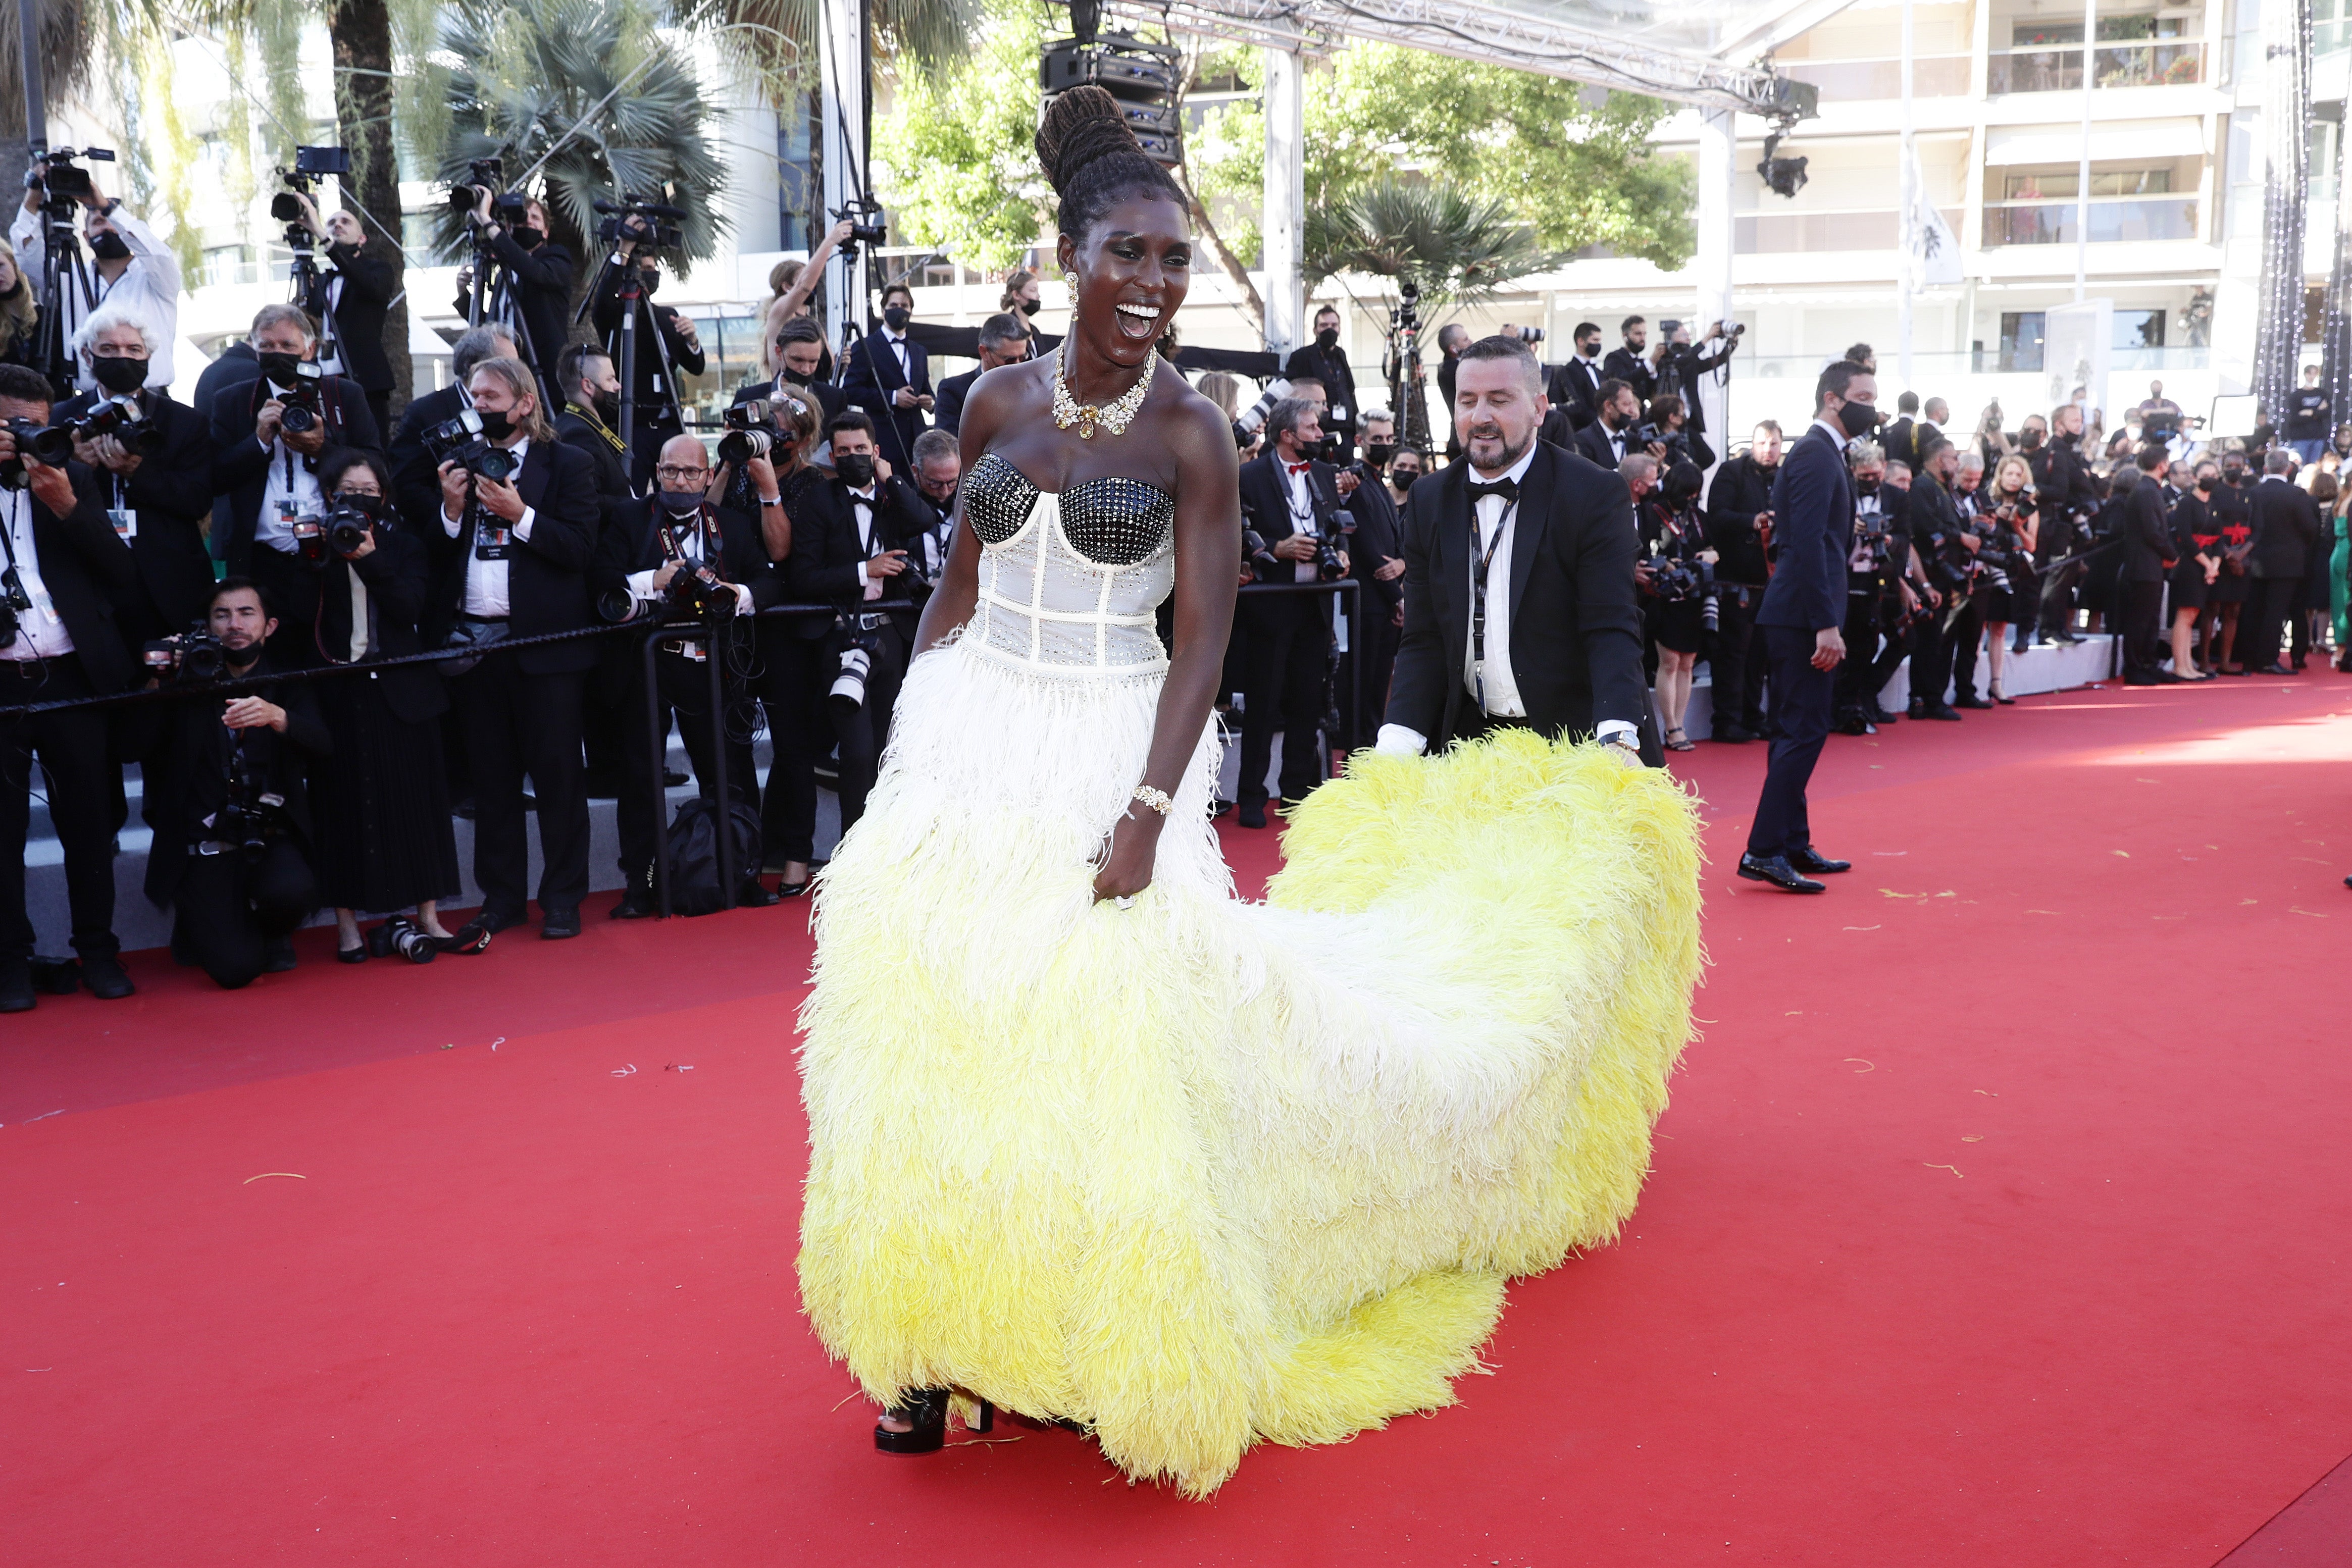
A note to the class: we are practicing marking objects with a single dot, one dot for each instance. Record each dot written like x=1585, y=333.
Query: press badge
x=491, y=541
x=126, y=522
x=1339, y=411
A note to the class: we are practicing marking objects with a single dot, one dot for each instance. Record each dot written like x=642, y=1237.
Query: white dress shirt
x=898, y=341
x=149, y=287
x=695, y=547
x=41, y=632
x=1496, y=688
x=1298, y=483
x=486, y=581
x=861, y=507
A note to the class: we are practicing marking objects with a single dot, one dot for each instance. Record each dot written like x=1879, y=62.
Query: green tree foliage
x=1454, y=243
x=954, y=159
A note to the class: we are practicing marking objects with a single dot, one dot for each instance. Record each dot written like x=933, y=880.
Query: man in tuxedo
x=1375, y=559
x=270, y=471
x=1575, y=390
x=1452, y=338
x=1801, y=620
x=667, y=345
x=1939, y=537
x=648, y=544
x=72, y=568
x=539, y=283
x=591, y=388
x=1004, y=341
x=1324, y=362
x=1290, y=499
x=1610, y=437
x=889, y=376
x=1739, y=525
x=938, y=469
x=415, y=484
x=350, y=301
x=1896, y=441
x=851, y=540
x=1631, y=362
x=2149, y=557
x=2286, y=523
x=1518, y=583
x=514, y=561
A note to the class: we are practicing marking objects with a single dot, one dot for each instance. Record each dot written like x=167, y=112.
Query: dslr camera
x=855, y=643
x=750, y=430
x=866, y=226
x=31, y=436
x=1264, y=563
x=461, y=441
x=116, y=416
x=697, y=594
x=486, y=174
x=251, y=815
x=634, y=221
x=300, y=409
x=347, y=527
x=15, y=604
x=193, y=658
x=311, y=164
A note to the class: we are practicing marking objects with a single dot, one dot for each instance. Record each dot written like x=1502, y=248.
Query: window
x=2139, y=329
x=797, y=193
x=2047, y=187
x=2021, y=340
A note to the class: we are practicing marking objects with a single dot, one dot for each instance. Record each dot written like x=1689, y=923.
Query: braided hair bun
x=1094, y=159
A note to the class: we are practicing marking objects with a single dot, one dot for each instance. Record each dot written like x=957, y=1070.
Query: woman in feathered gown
x=1091, y=1139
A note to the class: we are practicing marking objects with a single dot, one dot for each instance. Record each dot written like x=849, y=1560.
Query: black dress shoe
x=1731, y=734
x=2066, y=637
x=1916, y=710
x=496, y=920
x=1877, y=715
x=277, y=955
x=1251, y=814
x=16, y=984
x=105, y=978
x=1938, y=710
x=2275, y=669
x=754, y=897
x=558, y=923
x=1972, y=701
x=637, y=904
x=358, y=954
x=1812, y=860
x=1776, y=869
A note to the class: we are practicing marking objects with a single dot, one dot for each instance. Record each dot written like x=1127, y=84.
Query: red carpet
x=1999, y=1217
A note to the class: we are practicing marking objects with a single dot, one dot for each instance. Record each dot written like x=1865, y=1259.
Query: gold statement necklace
x=1114, y=417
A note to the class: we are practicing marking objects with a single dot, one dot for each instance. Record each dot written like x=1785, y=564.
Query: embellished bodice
x=1070, y=582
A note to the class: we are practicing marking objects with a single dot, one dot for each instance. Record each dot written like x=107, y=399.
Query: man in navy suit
x=889, y=376
x=1800, y=619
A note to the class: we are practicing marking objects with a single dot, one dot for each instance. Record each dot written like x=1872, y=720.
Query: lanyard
x=1480, y=560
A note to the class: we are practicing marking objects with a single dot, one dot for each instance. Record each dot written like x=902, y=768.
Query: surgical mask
x=1402, y=478
x=895, y=317
x=1865, y=487
x=2031, y=440
x=109, y=246
x=681, y=503
x=278, y=367
x=527, y=236
x=496, y=425
x=1327, y=337
x=1031, y=307
x=607, y=405
x=117, y=374
x=1378, y=453
x=1858, y=418
x=795, y=377
x=2204, y=482
x=649, y=280
x=855, y=468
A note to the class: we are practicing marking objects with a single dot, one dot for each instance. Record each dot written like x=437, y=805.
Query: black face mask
x=855, y=468
x=109, y=246
x=1327, y=338
x=1858, y=418
x=1865, y=487
x=608, y=407
x=794, y=377
x=1588, y=350
x=1378, y=453
x=648, y=279
x=2031, y=440
x=2233, y=476
x=2204, y=483
x=278, y=368
x=496, y=426
x=681, y=503
x=117, y=374
x=527, y=236
x=895, y=317
x=1031, y=307
x=1402, y=478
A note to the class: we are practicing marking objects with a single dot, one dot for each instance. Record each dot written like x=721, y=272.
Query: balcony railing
x=2053, y=223
x=2058, y=68
x=1781, y=234
x=1849, y=81
x=2022, y=359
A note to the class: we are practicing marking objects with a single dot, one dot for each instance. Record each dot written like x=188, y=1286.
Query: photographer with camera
x=2149, y=556
x=1291, y=529
x=1947, y=550
x=800, y=361
x=1452, y=338
x=1004, y=341
x=519, y=526
x=350, y=301
x=675, y=558
x=270, y=436
x=151, y=459
x=381, y=795
x=528, y=286
x=1376, y=560
x=1739, y=528
x=2013, y=512
x=415, y=482
x=669, y=344
x=787, y=680
x=851, y=547
x=1683, y=365
x=1667, y=424
x=1675, y=577
x=132, y=267
x=1880, y=598
x=62, y=570
x=889, y=376
x=232, y=855
x=1618, y=430
x=1575, y=387
x=1325, y=361
x=2053, y=449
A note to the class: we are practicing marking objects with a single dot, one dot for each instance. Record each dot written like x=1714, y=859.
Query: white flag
x=1935, y=249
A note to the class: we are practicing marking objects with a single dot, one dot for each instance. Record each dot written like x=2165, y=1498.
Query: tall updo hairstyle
x=1094, y=159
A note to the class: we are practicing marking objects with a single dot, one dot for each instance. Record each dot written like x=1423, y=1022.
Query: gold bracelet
x=1156, y=798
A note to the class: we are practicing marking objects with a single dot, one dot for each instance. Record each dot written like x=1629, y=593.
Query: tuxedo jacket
x=1592, y=441
x=547, y=574
x=1813, y=530
x=652, y=399
x=1576, y=632
x=827, y=550
x=416, y=478
x=187, y=751
x=1625, y=365
x=2285, y=521
x=1265, y=507
x=633, y=544
x=369, y=284
x=2148, y=549
x=397, y=575
x=1375, y=535
x=1575, y=391
x=871, y=380
x=172, y=494
x=608, y=462
x=241, y=463
x=949, y=415
x=88, y=569
x=1329, y=366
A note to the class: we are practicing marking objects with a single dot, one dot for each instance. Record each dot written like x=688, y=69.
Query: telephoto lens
x=742, y=445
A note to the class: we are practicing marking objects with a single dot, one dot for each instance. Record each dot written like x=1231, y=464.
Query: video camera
x=461, y=441
x=750, y=430
x=311, y=164
x=62, y=183
x=193, y=658
x=867, y=224
x=635, y=222
x=486, y=175
x=117, y=417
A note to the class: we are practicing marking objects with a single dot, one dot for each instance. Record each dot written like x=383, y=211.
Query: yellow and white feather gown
x=1202, y=1172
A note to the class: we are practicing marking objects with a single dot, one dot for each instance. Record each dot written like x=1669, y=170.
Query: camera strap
x=1480, y=559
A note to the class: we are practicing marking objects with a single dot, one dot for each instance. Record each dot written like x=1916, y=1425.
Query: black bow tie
x=1506, y=488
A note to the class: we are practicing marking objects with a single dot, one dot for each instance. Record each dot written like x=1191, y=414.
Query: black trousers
x=2261, y=625
x=515, y=724
x=862, y=731
x=1963, y=641
x=71, y=747
x=1735, y=660
x=228, y=909
x=683, y=688
x=1871, y=654
x=2143, y=641
x=1801, y=717
x=1380, y=635
x=1289, y=656
x=1931, y=659
x=607, y=721
x=788, y=688
x=2058, y=597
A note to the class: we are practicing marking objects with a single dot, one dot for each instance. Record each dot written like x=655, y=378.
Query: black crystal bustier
x=1111, y=521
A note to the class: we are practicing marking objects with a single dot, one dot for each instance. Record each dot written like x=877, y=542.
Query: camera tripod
x=64, y=267
x=491, y=299
x=1408, y=389
x=621, y=273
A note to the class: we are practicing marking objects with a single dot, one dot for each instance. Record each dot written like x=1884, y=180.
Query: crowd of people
x=457, y=560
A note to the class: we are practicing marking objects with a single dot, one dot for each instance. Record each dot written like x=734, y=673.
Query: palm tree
x=588, y=92
x=777, y=37
x=66, y=34
x=1454, y=246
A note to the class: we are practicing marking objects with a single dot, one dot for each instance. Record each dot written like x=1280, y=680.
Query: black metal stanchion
x=657, y=742
x=712, y=660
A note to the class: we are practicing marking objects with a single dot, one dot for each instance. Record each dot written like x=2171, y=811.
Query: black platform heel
x=926, y=1411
